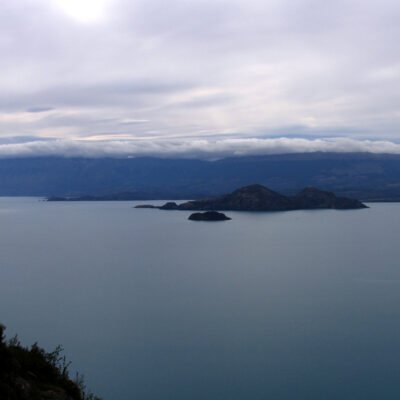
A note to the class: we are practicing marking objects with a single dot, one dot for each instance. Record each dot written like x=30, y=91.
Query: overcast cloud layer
x=209, y=149
x=214, y=76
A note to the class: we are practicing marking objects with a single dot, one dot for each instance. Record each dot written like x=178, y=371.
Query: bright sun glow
x=83, y=10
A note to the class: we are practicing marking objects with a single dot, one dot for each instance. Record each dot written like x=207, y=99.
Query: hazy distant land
x=365, y=176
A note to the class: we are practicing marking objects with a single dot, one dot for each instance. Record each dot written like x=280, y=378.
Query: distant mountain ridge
x=259, y=198
x=362, y=175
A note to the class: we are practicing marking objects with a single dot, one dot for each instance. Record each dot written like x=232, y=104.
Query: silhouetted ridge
x=312, y=197
x=259, y=198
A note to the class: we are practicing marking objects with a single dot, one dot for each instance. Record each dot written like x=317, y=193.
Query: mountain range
x=362, y=175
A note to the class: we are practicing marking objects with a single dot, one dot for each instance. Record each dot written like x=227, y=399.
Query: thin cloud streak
x=207, y=149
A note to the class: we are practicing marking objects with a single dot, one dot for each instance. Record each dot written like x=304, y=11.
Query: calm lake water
x=149, y=305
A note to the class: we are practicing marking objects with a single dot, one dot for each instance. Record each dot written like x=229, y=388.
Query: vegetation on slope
x=34, y=374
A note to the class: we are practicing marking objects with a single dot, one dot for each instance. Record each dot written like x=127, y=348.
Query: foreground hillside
x=364, y=176
x=34, y=374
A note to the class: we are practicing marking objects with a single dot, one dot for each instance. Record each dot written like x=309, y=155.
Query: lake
x=149, y=305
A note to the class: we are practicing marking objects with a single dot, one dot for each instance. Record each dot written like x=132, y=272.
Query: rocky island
x=259, y=198
x=209, y=216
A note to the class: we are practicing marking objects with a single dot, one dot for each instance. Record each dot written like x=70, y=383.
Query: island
x=208, y=216
x=259, y=198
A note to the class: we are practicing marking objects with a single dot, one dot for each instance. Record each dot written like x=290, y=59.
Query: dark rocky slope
x=259, y=198
x=34, y=374
x=311, y=198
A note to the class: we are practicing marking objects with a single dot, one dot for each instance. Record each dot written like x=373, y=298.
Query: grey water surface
x=149, y=305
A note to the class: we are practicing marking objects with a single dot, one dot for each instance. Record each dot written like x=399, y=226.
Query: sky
x=199, y=77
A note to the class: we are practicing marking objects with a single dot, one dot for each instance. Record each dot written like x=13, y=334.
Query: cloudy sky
x=230, y=76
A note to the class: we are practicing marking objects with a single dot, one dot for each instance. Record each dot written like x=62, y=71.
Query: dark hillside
x=34, y=374
x=364, y=175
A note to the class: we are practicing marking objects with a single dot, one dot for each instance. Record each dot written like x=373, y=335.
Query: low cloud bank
x=210, y=149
